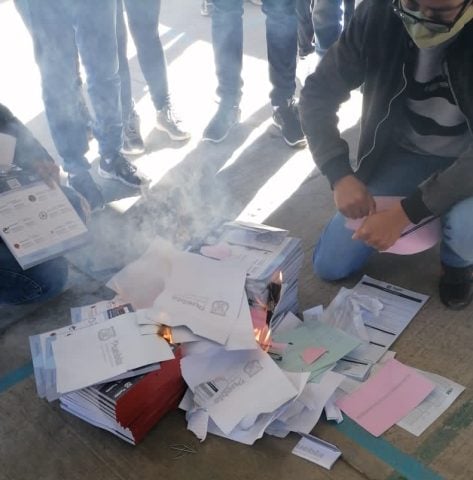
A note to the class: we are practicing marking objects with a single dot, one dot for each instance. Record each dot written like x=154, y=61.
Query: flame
x=280, y=276
x=263, y=337
x=165, y=332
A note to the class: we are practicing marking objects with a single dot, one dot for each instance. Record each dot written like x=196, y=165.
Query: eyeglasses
x=433, y=25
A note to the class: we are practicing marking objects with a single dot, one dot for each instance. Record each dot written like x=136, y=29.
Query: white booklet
x=37, y=222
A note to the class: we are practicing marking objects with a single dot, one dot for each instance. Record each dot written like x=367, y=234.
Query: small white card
x=317, y=451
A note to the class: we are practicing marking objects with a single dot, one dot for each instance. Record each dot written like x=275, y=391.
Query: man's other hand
x=352, y=198
x=381, y=230
x=47, y=170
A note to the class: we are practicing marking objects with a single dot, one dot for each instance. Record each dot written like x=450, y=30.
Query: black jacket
x=375, y=50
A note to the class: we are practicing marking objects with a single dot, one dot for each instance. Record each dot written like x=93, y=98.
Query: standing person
x=415, y=60
x=60, y=29
x=143, y=22
x=47, y=279
x=281, y=39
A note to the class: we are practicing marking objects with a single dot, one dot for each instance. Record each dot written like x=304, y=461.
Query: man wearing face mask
x=415, y=59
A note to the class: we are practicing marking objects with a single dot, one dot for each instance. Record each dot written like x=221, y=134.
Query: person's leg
x=227, y=42
x=336, y=255
x=96, y=37
x=305, y=29
x=143, y=20
x=56, y=55
x=456, y=254
x=36, y=284
x=326, y=19
x=132, y=140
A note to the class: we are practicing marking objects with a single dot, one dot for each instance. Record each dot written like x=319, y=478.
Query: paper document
x=399, y=307
x=37, y=222
x=444, y=394
x=7, y=151
x=386, y=397
x=317, y=451
x=103, y=351
x=100, y=311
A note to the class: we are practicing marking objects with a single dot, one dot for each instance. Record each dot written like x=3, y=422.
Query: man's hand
x=382, y=230
x=352, y=198
x=47, y=170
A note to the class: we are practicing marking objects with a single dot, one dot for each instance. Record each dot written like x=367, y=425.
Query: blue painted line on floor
x=406, y=465
x=15, y=376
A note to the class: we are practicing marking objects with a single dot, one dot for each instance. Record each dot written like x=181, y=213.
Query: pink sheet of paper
x=311, y=354
x=219, y=251
x=417, y=241
x=386, y=397
x=258, y=317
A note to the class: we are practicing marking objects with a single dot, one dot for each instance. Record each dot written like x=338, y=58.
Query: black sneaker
x=286, y=118
x=167, y=121
x=119, y=168
x=84, y=184
x=132, y=141
x=221, y=124
x=456, y=287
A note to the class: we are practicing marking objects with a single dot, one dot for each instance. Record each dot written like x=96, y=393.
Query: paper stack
x=272, y=260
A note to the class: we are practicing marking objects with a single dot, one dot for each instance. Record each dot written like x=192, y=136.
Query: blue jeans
x=281, y=40
x=60, y=28
x=326, y=20
x=36, y=284
x=337, y=256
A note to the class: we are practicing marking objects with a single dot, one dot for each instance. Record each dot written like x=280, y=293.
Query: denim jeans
x=60, y=28
x=281, y=40
x=143, y=21
x=326, y=20
x=337, y=256
x=36, y=284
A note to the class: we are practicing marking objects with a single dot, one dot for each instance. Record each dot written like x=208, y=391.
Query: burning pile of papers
x=220, y=319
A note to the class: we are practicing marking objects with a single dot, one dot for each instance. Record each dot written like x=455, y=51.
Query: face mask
x=424, y=37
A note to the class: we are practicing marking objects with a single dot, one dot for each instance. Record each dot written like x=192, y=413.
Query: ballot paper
x=100, y=311
x=314, y=334
x=304, y=412
x=399, y=307
x=141, y=281
x=223, y=382
x=386, y=397
x=443, y=395
x=102, y=351
x=202, y=294
x=318, y=451
x=37, y=222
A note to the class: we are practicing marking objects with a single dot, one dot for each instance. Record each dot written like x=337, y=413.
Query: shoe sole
x=221, y=139
x=109, y=176
x=179, y=138
x=302, y=143
x=133, y=152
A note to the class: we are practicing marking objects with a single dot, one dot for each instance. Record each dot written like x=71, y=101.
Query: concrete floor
x=253, y=176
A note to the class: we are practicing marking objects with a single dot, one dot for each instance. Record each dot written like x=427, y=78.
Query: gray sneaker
x=84, y=184
x=132, y=141
x=223, y=121
x=119, y=168
x=167, y=121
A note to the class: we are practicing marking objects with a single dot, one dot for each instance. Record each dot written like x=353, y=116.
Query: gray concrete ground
x=253, y=175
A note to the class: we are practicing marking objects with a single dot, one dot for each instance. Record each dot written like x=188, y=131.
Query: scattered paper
x=7, y=151
x=311, y=354
x=386, y=397
x=444, y=394
x=317, y=451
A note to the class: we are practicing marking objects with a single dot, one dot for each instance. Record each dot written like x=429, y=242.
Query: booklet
x=37, y=222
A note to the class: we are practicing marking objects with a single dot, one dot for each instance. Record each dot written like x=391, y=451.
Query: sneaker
x=84, y=184
x=286, y=118
x=456, y=287
x=206, y=8
x=167, y=121
x=132, y=141
x=119, y=168
x=221, y=124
